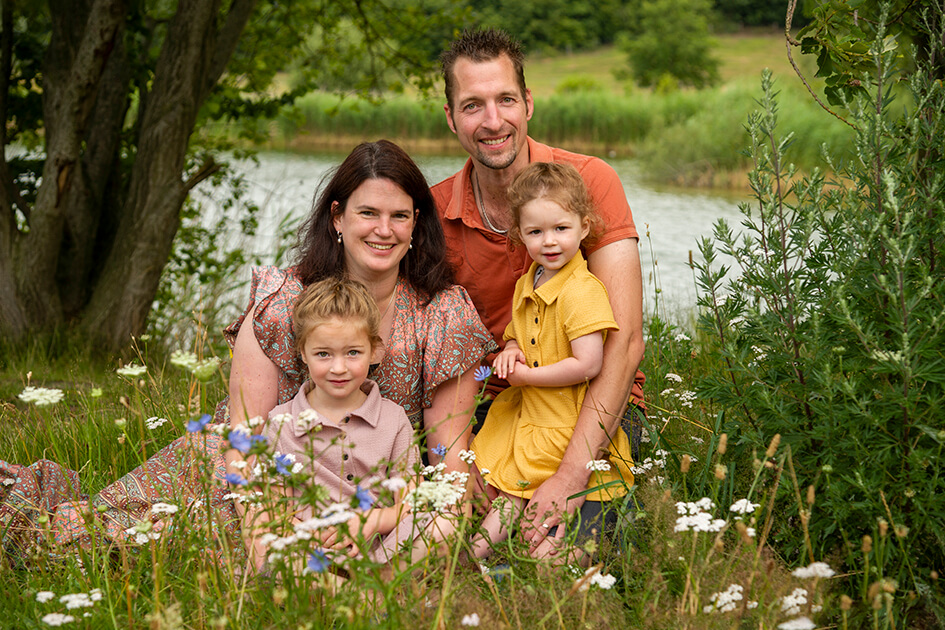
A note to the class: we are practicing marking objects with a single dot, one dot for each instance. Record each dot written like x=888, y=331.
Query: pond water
x=670, y=221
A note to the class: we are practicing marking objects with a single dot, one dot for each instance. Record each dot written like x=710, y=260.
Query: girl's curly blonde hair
x=558, y=182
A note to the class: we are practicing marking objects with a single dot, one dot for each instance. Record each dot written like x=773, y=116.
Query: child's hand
x=520, y=376
x=504, y=363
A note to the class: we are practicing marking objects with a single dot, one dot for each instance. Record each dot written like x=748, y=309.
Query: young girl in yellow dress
x=555, y=345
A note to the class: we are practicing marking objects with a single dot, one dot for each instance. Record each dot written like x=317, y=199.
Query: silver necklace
x=482, y=211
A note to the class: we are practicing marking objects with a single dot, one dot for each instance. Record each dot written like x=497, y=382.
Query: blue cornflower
x=318, y=561
x=236, y=479
x=482, y=373
x=240, y=440
x=365, y=500
x=284, y=464
x=439, y=450
x=196, y=426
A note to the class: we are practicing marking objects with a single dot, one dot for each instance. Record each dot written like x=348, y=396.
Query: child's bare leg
x=496, y=524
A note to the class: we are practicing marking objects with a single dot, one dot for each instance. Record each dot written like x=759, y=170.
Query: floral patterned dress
x=429, y=343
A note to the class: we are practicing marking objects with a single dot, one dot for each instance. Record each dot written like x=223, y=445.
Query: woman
x=374, y=221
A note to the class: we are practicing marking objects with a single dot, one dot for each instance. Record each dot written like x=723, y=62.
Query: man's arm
x=617, y=265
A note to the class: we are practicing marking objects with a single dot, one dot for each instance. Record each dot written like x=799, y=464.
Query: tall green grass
x=682, y=136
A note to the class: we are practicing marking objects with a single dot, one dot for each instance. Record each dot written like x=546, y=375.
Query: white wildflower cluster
x=743, y=506
x=725, y=601
x=791, y=604
x=470, y=620
x=57, y=619
x=815, y=570
x=598, y=579
x=41, y=396
x=163, y=508
x=332, y=516
x=142, y=533
x=154, y=422
x=72, y=601
x=657, y=461
x=251, y=498
x=439, y=491
x=685, y=397
x=675, y=378
x=697, y=439
x=467, y=456
x=255, y=421
x=800, y=623
x=682, y=337
x=598, y=465
x=132, y=370
x=696, y=516
x=188, y=361
x=394, y=484
x=81, y=600
x=760, y=354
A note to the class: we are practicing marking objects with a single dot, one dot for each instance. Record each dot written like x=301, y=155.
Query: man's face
x=490, y=114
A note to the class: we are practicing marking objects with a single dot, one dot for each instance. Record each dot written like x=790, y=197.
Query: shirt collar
x=463, y=202
x=549, y=291
x=369, y=411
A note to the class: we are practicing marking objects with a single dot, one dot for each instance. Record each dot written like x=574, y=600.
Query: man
x=488, y=108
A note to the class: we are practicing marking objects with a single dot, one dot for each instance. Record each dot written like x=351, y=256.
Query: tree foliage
x=671, y=43
x=101, y=100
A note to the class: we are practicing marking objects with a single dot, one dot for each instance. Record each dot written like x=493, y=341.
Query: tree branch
x=227, y=39
x=208, y=168
x=789, y=41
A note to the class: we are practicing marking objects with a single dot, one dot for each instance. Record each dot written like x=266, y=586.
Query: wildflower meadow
x=790, y=475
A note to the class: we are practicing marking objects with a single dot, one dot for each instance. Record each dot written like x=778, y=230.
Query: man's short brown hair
x=482, y=45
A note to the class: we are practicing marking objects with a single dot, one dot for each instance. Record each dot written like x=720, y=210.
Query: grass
x=661, y=578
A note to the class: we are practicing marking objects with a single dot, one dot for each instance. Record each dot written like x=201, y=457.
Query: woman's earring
x=339, y=237
x=410, y=245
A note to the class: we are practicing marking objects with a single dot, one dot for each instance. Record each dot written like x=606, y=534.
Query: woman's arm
x=588, y=351
x=254, y=383
x=447, y=421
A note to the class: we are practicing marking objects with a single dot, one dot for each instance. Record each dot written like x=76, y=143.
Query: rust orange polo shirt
x=487, y=265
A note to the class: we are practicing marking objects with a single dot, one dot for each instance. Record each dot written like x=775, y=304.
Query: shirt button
x=535, y=364
x=350, y=477
x=533, y=341
x=536, y=320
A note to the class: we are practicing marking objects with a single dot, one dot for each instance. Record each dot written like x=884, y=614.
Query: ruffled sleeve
x=273, y=292
x=456, y=339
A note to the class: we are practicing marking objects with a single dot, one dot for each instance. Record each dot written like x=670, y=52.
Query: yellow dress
x=528, y=428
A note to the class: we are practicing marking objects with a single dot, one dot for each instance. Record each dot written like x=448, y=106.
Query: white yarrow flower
x=673, y=377
x=44, y=596
x=184, y=360
x=598, y=465
x=801, y=623
x=815, y=570
x=76, y=600
x=132, y=370
x=743, y=506
x=394, y=484
x=467, y=456
x=471, y=620
x=163, y=508
x=154, y=422
x=41, y=396
x=57, y=619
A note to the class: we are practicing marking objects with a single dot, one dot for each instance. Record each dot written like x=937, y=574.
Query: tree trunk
x=194, y=55
x=73, y=70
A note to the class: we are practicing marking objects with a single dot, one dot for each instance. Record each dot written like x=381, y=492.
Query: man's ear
x=529, y=104
x=449, y=117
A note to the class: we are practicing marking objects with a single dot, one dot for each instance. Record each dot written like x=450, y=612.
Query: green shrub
x=829, y=330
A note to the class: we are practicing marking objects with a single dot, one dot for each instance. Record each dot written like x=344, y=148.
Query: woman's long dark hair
x=320, y=255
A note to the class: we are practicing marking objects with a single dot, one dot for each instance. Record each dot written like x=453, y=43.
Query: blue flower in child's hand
x=439, y=450
x=197, y=425
x=482, y=373
x=236, y=479
x=318, y=561
x=365, y=500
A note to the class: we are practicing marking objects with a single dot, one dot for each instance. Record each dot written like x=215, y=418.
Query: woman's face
x=376, y=228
